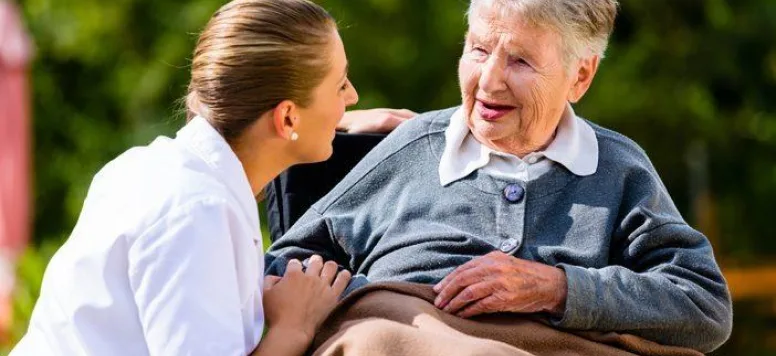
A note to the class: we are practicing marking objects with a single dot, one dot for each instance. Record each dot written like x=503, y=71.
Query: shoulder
x=147, y=183
x=405, y=146
x=622, y=159
x=412, y=132
x=619, y=151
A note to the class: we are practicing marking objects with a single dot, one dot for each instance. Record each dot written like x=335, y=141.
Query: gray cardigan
x=633, y=265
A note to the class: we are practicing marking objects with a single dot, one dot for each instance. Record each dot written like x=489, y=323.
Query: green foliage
x=107, y=77
x=684, y=73
x=679, y=75
x=29, y=277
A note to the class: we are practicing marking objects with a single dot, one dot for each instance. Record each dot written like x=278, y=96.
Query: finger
x=329, y=272
x=270, y=281
x=392, y=122
x=483, y=306
x=294, y=266
x=468, y=295
x=462, y=268
x=398, y=119
x=456, y=285
x=314, y=266
x=408, y=113
x=341, y=282
x=401, y=113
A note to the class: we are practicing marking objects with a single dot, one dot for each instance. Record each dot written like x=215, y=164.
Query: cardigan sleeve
x=311, y=235
x=663, y=282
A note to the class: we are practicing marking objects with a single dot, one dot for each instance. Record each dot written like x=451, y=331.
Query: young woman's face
x=318, y=121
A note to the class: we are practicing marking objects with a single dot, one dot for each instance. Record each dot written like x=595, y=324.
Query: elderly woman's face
x=514, y=83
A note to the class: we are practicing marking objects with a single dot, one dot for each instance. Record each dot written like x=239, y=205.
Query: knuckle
x=468, y=293
x=489, y=304
x=499, y=284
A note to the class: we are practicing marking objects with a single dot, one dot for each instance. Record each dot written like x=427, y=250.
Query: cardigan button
x=514, y=193
x=508, y=245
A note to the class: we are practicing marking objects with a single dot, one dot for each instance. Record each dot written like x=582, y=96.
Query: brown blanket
x=400, y=319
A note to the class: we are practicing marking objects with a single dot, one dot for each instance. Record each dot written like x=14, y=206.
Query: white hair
x=584, y=25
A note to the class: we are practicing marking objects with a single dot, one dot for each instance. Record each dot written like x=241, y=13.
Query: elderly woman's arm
x=663, y=282
x=309, y=236
x=672, y=292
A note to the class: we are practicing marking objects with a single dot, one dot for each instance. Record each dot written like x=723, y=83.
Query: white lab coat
x=166, y=258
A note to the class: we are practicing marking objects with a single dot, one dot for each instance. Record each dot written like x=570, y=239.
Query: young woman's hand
x=300, y=301
x=373, y=121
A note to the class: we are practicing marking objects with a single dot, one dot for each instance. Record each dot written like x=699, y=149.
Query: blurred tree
x=109, y=75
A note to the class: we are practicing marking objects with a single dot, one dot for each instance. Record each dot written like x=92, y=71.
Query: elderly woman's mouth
x=491, y=111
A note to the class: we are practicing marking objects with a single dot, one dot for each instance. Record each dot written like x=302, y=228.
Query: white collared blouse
x=575, y=146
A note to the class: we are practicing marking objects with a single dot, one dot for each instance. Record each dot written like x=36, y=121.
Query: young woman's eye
x=345, y=85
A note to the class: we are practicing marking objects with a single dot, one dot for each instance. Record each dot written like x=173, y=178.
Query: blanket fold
x=398, y=318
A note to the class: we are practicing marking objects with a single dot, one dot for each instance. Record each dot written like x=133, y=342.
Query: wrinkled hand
x=373, y=121
x=498, y=282
x=301, y=301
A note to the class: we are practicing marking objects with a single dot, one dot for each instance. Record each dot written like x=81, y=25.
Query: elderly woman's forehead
x=488, y=27
x=497, y=21
x=496, y=11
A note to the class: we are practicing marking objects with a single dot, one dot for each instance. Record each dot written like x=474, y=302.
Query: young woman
x=166, y=258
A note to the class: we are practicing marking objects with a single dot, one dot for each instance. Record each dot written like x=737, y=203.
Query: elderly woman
x=513, y=203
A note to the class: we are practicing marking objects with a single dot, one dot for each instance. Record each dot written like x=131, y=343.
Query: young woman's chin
x=319, y=154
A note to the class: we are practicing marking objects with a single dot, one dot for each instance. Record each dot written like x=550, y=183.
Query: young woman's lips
x=492, y=112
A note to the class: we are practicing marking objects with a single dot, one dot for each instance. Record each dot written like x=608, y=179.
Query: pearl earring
x=294, y=136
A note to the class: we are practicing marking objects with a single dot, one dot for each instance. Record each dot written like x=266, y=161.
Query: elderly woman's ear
x=587, y=68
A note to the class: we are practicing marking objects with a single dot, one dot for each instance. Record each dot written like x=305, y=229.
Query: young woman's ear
x=285, y=119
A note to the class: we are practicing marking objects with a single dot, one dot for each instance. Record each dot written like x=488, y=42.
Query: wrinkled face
x=514, y=82
x=318, y=121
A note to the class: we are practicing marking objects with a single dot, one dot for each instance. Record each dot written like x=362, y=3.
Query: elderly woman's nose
x=493, y=77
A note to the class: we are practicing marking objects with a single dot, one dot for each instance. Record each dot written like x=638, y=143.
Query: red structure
x=14, y=151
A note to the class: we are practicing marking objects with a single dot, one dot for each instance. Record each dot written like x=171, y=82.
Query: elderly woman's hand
x=373, y=121
x=502, y=283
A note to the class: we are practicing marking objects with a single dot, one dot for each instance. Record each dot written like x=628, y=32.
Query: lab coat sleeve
x=183, y=276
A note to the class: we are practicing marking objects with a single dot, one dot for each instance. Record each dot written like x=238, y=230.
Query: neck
x=262, y=160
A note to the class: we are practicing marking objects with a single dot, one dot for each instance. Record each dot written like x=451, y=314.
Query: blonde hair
x=254, y=54
x=584, y=25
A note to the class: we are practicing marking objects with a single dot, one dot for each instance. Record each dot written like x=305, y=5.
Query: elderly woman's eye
x=479, y=50
x=521, y=62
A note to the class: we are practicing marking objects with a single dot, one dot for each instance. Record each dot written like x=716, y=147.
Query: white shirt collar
x=202, y=139
x=575, y=146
